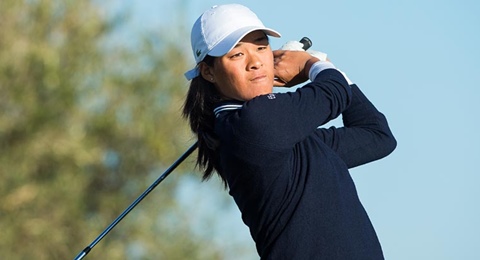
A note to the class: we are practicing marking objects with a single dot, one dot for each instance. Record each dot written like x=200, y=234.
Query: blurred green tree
x=86, y=124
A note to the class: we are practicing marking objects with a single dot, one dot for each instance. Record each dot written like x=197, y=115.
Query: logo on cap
x=199, y=52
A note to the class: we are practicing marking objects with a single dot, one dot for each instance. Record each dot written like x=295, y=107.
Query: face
x=246, y=71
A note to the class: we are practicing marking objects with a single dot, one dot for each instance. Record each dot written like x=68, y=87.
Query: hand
x=298, y=46
x=291, y=67
x=320, y=55
x=292, y=46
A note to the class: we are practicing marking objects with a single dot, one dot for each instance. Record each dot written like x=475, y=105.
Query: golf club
x=85, y=251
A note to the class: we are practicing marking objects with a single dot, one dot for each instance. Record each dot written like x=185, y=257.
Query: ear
x=207, y=72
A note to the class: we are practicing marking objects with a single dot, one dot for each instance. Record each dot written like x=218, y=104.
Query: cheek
x=224, y=70
x=229, y=74
x=269, y=63
x=225, y=81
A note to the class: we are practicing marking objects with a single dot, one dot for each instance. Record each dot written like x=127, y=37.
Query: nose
x=254, y=62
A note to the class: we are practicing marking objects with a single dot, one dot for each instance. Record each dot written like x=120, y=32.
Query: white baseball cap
x=219, y=29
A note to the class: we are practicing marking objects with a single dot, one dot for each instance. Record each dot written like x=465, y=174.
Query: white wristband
x=319, y=66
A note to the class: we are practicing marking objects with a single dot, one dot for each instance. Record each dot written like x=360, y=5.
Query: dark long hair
x=198, y=110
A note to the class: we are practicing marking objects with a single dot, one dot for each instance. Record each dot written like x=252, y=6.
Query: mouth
x=258, y=78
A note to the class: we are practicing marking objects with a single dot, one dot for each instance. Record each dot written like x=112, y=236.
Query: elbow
x=386, y=139
x=382, y=145
x=389, y=144
x=392, y=144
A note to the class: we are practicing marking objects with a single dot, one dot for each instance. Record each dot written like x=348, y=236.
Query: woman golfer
x=289, y=177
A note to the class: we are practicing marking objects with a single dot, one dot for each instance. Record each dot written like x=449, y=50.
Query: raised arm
x=365, y=136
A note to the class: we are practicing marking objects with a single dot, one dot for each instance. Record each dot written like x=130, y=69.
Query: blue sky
x=419, y=63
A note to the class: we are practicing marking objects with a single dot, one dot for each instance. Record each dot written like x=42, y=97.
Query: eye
x=236, y=55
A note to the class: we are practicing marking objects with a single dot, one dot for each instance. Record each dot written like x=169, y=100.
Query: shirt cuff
x=319, y=66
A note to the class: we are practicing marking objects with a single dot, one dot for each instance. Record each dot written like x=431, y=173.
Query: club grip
x=307, y=43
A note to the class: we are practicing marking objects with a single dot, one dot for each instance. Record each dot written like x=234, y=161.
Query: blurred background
x=90, y=99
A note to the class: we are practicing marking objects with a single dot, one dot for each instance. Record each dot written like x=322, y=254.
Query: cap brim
x=227, y=44
x=193, y=73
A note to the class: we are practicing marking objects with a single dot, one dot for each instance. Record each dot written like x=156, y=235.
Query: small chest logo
x=271, y=96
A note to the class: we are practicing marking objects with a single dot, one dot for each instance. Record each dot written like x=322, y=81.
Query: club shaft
x=85, y=251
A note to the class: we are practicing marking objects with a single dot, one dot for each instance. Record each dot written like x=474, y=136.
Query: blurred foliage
x=86, y=124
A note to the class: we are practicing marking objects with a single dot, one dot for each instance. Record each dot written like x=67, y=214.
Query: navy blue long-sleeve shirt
x=290, y=179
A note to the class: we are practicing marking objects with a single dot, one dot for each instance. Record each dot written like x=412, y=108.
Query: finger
x=277, y=55
x=278, y=82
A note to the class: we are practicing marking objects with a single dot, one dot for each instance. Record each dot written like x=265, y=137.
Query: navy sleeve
x=365, y=136
x=279, y=121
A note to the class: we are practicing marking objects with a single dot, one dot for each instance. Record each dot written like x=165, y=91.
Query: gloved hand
x=298, y=46
x=292, y=46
